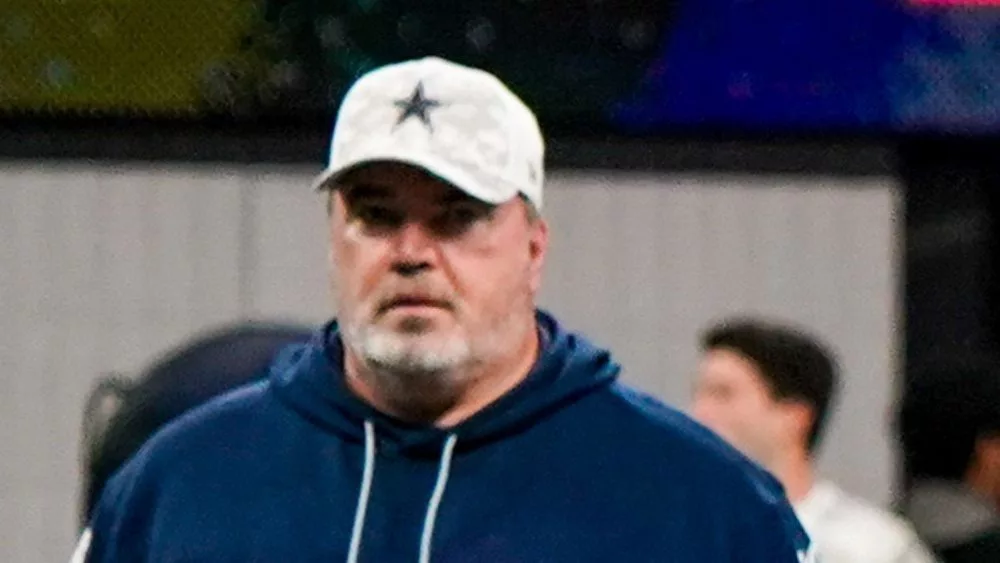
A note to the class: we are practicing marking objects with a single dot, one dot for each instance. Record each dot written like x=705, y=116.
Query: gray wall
x=102, y=267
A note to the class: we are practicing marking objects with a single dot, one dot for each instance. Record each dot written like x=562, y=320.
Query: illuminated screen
x=589, y=66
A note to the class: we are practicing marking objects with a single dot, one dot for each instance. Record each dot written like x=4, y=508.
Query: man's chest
x=483, y=529
x=489, y=516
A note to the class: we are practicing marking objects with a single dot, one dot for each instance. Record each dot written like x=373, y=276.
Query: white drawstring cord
x=432, y=507
x=444, y=469
x=366, y=488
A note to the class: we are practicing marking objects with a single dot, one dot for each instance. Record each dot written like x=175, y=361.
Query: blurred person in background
x=441, y=416
x=767, y=388
x=949, y=429
x=123, y=413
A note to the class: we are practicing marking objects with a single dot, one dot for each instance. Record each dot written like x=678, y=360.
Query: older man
x=441, y=416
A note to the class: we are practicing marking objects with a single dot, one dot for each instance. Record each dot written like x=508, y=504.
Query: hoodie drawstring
x=366, y=490
x=444, y=468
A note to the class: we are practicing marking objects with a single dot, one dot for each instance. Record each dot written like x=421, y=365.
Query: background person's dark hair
x=946, y=407
x=186, y=376
x=794, y=364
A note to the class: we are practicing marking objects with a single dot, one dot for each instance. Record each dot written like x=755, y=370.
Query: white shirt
x=846, y=529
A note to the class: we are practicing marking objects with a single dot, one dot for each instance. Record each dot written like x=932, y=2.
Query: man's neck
x=796, y=475
x=491, y=383
x=448, y=407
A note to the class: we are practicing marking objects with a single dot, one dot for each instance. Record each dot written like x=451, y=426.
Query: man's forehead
x=729, y=364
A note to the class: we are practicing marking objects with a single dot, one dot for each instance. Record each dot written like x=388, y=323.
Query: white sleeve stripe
x=82, y=547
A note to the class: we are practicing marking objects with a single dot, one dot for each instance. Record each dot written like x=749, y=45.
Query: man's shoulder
x=677, y=460
x=861, y=512
x=224, y=426
x=684, y=443
x=859, y=525
x=229, y=411
x=204, y=446
x=223, y=419
x=640, y=412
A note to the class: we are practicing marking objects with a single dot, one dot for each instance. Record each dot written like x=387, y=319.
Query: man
x=441, y=417
x=122, y=413
x=767, y=388
x=949, y=427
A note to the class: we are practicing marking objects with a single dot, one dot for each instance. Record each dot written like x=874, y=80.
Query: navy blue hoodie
x=570, y=466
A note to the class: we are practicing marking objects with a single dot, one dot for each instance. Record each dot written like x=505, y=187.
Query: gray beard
x=420, y=380
x=405, y=373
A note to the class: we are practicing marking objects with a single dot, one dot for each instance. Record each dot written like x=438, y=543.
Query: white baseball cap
x=460, y=124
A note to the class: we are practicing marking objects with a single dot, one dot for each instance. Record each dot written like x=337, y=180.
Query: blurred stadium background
x=831, y=162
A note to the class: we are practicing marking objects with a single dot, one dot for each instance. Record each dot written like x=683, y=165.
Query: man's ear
x=800, y=417
x=538, y=246
x=106, y=399
x=103, y=402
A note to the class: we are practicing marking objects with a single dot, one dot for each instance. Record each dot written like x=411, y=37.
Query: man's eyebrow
x=358, y=190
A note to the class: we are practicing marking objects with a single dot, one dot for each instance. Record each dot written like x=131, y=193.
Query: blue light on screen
x=808, y=65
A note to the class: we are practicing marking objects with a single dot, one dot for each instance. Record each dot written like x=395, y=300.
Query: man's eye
x=377, y=216
x=465, y=214
x=460, y=217
x=721, y=393
x=455, y=221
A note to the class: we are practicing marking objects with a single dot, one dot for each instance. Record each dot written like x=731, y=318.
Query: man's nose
x=414, y=250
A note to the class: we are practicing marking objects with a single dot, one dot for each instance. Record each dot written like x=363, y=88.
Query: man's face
x=428, y=279
x=733, y=399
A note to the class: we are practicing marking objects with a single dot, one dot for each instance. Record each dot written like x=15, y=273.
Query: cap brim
x=432, y=164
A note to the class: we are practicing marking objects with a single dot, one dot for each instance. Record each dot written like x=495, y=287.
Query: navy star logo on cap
x=417, y=105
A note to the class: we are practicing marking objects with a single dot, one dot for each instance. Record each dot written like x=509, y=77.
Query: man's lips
x=406, y=301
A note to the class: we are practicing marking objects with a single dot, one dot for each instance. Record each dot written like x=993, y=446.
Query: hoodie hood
x=309, y=378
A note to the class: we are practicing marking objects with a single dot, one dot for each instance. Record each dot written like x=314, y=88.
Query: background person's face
x=733, y=399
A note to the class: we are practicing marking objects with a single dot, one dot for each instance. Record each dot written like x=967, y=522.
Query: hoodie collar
x=310, y=380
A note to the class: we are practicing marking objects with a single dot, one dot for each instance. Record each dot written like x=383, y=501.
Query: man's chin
x=411, y=355
x=410, y=324
x=408, y=338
